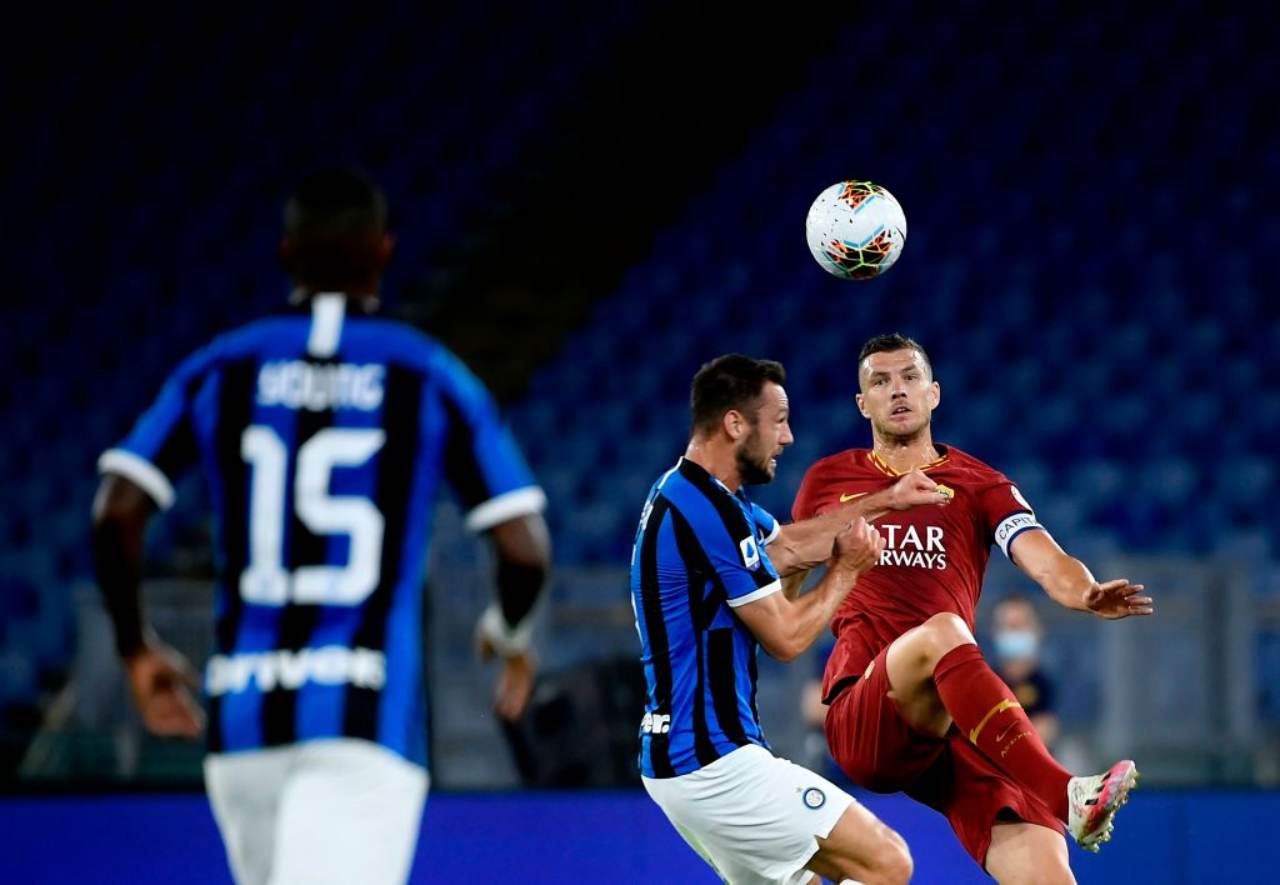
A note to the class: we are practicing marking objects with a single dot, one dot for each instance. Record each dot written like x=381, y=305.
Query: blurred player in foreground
x=706, y=595
x=913, y=704
x=324, y=433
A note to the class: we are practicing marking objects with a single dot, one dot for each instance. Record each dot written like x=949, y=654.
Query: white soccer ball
x=856, y=230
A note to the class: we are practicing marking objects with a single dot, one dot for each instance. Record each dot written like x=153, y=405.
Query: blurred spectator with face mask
x=1016, y=636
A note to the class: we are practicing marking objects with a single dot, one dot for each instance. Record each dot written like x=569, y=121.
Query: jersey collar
x=876, y=461
x=691, y=470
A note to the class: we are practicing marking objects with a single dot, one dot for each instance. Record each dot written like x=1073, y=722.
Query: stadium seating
x=1100, y=334
x=1085, y=265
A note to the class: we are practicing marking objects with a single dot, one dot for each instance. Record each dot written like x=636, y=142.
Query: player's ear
x=857, y=398
x=734, y=424
x=935, y=395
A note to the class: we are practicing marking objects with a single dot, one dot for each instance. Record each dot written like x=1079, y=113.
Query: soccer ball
x=856, y=230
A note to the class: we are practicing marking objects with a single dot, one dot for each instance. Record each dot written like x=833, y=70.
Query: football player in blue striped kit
x=707, y=589
x=324, y=434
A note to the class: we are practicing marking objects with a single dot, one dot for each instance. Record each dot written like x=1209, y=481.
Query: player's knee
x=945, y=631
x=892, y=865
x=922, y=648
x=898, y=865
x=889, y=862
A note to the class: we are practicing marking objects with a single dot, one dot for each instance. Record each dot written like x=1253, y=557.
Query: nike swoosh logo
x=844, y=499
x=1001, y=735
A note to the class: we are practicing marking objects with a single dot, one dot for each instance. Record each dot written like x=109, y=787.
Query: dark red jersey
x=934, y=557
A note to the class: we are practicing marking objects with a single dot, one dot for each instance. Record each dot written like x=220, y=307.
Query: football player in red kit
x=914, y=706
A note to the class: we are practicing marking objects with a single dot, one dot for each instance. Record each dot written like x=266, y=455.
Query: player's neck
x=364, y=297
x=905, y=455
x=718, y=460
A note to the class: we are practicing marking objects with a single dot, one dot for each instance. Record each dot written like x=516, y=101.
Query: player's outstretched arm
x=523, y=547
x=787, y=627
x=1070, y=583
x=160, y=680
x=803, y=545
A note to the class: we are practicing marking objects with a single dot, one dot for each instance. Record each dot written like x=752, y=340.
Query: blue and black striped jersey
x=699, y=553
x=324, y=435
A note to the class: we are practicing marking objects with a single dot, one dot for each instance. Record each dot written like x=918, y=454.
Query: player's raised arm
x=806, y=543
x=787, y=627
x=1069, y=582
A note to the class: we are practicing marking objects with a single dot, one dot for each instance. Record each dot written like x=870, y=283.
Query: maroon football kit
x=933, y=562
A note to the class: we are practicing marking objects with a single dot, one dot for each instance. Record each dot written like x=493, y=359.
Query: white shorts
x=340, y=811
x=754, y=817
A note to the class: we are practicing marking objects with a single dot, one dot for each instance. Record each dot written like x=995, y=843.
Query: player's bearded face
x=756, y=464
x=770, y=433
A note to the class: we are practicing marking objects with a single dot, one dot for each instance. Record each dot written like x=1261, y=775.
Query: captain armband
x=1012, y=526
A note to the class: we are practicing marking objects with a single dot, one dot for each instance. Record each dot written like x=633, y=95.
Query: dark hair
x=334, y=223
x=730, y=382
x=891, y=342
x=1015, y=597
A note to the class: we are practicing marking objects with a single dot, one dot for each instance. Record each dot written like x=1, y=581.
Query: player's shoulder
x=839, y=463
x=669, y=479
x=680, y=487
x=396, y=341
x=242, y=342
x=700, y=498
x=975, y=469
x=252, y=336
x=366, y=338
x=398, y=344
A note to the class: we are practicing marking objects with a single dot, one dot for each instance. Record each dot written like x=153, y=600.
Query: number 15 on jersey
x=266, y=581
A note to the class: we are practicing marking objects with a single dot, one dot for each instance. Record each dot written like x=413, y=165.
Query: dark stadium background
x=592, y=199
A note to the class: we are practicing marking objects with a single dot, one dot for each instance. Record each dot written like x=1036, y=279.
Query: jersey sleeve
x=162, y=444
x=729, y=540
x=769, y=527
x=1006, y=513
x=482, y=461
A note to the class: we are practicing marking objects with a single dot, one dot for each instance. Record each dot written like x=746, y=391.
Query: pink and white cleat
x=1094, y=800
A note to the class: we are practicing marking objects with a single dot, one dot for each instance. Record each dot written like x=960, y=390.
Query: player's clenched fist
x=916, y=489
x=859, y=546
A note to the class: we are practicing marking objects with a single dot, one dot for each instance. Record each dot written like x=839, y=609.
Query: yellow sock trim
x=998, y=708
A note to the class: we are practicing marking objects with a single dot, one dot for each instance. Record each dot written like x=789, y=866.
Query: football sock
x=987, y=713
